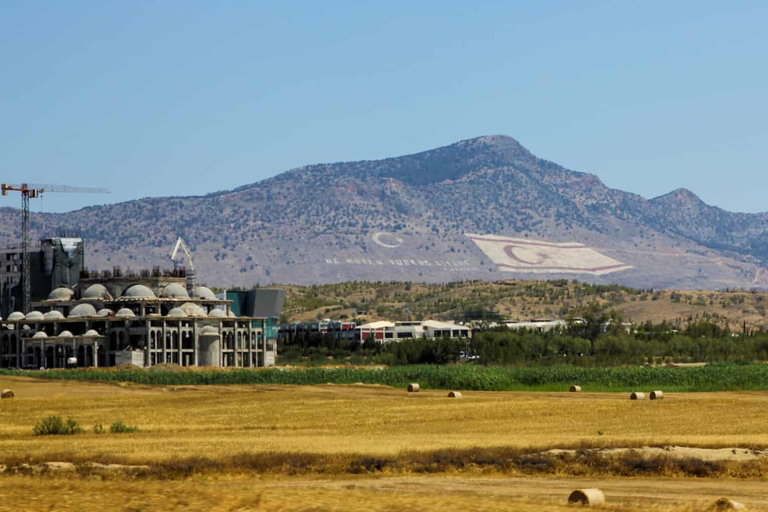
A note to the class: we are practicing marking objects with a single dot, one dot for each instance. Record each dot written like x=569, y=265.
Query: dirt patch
x=677, y=452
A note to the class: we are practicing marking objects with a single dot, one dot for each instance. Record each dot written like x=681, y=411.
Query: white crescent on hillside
x=387, y=240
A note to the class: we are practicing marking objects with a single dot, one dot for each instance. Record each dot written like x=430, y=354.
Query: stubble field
x=361, y=447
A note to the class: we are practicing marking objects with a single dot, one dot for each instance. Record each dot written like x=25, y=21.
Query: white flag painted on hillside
x=523, y=255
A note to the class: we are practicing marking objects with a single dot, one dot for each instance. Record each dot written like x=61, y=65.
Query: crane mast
x=191, y=272
x=31, y=191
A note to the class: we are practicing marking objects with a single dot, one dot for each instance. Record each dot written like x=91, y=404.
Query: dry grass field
x=387, y=494
x=376, y=420
x=217, y=422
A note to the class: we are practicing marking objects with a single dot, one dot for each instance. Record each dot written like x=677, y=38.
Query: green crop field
x=715, y=377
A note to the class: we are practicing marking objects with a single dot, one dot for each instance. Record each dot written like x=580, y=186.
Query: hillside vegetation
x=321, y=224
x=521, y=300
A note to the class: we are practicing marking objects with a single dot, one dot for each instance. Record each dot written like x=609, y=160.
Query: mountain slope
x=406, y=218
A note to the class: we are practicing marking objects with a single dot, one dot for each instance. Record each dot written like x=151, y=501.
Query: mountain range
x=421, y=218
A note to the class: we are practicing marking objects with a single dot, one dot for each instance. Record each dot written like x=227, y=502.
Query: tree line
x=593, y=339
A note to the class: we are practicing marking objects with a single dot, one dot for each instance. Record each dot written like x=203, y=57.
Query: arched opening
x=50, y=358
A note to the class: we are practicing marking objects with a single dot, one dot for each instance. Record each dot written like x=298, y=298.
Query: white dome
x=61, y=293
x=16, y=315
x=217, y=313
x=202, y=292
x=35, y=315
x=192, y=309
x=209, y=331
x=82, y=310
x=97, y=292
x=177, y=313
x=40, y=334
x=125, y=313
x=54, y=315
x=231, y=314
x=139, y=291
x=174, y=291
x=65, y=334
x=91, y=333
x=105, y=312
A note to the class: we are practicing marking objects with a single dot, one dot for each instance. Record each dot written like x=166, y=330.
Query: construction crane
x=33, y=191
x=191, y=272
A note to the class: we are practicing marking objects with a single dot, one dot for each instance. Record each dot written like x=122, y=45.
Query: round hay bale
x=575, y=389
x=590, y=497
x=413, y=388
x=726, y=504
x=657, y=395
x=454, y=394
x=7, y=393
x=636, y=395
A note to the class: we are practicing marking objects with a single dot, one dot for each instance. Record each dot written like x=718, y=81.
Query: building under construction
x=54, y=262
x=112, y=318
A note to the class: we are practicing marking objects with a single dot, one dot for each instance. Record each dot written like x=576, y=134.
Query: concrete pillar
x=250, y=346
x=147, y=357
x=163, y=340
x=181, y=344
x=196, y=344
x=237, y=350
x=95, y=354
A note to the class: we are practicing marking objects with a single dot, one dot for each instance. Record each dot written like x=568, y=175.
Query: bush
x=56, y=426
x=119, y=427
x=98, y=428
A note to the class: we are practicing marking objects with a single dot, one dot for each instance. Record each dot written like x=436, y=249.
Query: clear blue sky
x=189, y=97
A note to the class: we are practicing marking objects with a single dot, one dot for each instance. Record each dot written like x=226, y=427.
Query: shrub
x=56, y=426
x=119, y=427
x=98, y=428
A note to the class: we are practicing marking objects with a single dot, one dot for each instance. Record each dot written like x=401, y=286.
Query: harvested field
x=369, y=419
x=439, y=493
x=371, y=447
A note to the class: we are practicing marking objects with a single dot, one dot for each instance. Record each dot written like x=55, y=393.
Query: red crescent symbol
x=509, y=250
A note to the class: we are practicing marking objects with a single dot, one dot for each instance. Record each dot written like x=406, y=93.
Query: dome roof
x=96, y=292
x=125, y=313
x=16, y=315
x=177, y=313
x=209, y=331
x=192, y=309
x=61, y=293
x=65, y=334
x=202, y=292
x=105, y=312
x=53, y=315
x=82, y=310
x=91, y=333
x=217, y=313
x=231, y=314
x=174, y=291
x=139, y=291
x=40, y=334
x=35, y=315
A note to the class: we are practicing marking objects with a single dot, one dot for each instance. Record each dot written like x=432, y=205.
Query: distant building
x=53, y=263
x=338, y=330
x=380, y=331
x=391, y=331
x=112, y=318
x=537, y=325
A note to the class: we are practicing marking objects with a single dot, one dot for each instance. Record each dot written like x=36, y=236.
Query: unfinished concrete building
x=142, y=319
